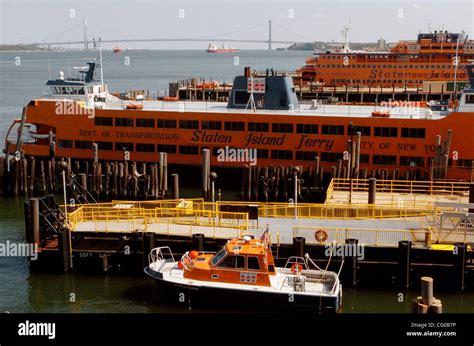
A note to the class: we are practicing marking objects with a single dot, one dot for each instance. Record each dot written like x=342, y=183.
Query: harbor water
x=23, y=75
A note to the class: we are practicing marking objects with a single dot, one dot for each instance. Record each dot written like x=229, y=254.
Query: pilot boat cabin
x=240, y=261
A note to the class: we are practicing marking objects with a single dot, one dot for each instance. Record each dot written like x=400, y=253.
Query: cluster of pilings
x=278, y=183
x=439, y=164
x=104, y=180
x=426, y=303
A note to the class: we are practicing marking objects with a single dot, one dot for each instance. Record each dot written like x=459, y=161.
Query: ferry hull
x=211, y=297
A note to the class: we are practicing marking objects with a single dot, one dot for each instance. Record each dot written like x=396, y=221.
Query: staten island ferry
x=262, y=114
x=407, y=64
x=243, y=274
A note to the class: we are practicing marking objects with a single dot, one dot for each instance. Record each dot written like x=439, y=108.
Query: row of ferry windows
x=261, y=153
x=265, y=127
x=385, y=66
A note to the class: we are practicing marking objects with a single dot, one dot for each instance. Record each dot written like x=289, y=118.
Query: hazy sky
x=26, y=21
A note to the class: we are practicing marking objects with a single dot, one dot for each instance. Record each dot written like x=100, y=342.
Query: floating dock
x=426, y=235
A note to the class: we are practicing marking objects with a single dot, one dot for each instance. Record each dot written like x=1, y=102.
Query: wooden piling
x=426, y=290
x=175, y=191
x=404, y=250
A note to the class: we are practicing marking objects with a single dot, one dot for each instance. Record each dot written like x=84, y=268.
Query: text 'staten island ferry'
x=408, y=63
x=243, y=273
x=262, y=113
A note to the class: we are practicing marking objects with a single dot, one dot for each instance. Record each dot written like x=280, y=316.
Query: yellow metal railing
x=451, y=188
x=365, y=236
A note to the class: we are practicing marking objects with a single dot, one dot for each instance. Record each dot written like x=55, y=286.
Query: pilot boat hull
x=202, y=294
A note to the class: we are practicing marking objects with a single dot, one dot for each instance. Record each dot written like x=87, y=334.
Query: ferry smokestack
x=247, y=71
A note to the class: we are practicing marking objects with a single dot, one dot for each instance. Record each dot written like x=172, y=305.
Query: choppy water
x=21, y=291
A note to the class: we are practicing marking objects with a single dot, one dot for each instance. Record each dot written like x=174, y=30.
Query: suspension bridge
x=86, y=42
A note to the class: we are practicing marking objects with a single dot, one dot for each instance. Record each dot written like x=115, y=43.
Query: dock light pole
x=213, y=177
x=295, y=172
x=351, y=133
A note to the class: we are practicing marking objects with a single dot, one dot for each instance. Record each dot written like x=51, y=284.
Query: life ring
x=296, y=268
x=321, y=235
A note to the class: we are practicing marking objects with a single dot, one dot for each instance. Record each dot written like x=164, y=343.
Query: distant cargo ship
x=117, y=49
x=224, y=49
x=407, y=64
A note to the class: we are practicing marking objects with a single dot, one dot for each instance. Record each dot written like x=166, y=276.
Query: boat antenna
x=101, y=68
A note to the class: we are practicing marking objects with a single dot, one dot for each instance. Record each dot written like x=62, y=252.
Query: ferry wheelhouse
x=262, y=114
x=243, y=273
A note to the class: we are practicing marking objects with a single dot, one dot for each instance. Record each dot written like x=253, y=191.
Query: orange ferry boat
x=262, y=116
x=243, y=274
x=408, y=63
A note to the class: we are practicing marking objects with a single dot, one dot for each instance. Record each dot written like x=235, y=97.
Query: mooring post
x=459, y=264
x=299, y=246
x=83, y=180
x=372, y=190
x=198, y=241
x=63, y=248
x=35, y=217
x=351, y=262
x=175, y=178
x=206, y=170
x=471, y=196
x=426, y=290
x=404, y=252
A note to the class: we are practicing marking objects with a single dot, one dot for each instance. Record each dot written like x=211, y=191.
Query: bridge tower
x=86, y=41
x=269, y=35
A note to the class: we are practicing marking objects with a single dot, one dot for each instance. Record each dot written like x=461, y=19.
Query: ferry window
x=189, y=124
x=282, y=128
x=166, y=124
x=252, y=263
x=211, y=125
x=282, y=155
x=364, y=158
x=306, y=155
x=262, y=153
x=385, y=131
x=331, y=157
x=217, y=257
x=83, y=144
x=234, y=126
x=470, y=98
x=307, y=128
x=332, y=130
x=241, y=97
x=465, y=163
x=235, y=262
x=145, y=122
x=124, y=122
x=146, y=147
x=105, y=145
x=65, y=143
x=167, y=148
x=411, y=161
x=364, y=130
x=258, y=127
x=103, y=121
x=189, y=149
x=384, y=160
x=121, y=146
x=413, y=132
